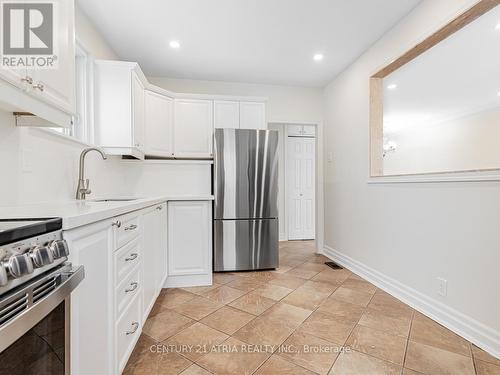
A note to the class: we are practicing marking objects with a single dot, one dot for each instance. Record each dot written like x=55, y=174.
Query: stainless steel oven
x=36, y=282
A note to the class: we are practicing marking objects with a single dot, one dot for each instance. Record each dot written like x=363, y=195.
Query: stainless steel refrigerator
x=246, y=232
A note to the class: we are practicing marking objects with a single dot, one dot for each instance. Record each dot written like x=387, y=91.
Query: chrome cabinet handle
x=135, y=326
x=117, y=224
x=27, y=80
x=132, y=256
x=131, y=227
x=134, y=286
x=39, y=86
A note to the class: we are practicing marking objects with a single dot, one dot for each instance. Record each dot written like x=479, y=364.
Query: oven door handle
x=34, y=313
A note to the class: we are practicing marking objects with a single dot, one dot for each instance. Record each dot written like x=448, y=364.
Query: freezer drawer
x=241, y=245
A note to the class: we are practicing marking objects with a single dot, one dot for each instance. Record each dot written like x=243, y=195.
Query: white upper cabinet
x=57, y=86
x=119, y=107
x=301, y=130
x=159, y=125
x=294, y=130
x=46, y=92
x=309, y=130
x=226, y=114
x=138, y=114
x=252, y=115
x=193, y=129
x=239, y=115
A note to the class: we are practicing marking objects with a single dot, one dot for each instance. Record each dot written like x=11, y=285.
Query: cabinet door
x=138, y=111
x=57, y=86
x=91, y=303
x=163, y=250
x=252, y=115
x=158, y=124
x=294, y=130
x=193, y=128
x=151, y=267
x=309, y=130
x=189, y=238
x=226, y=115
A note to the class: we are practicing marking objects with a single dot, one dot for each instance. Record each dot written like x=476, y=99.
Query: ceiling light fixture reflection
x=392, y=86
x=318, y=57
x=174, y=44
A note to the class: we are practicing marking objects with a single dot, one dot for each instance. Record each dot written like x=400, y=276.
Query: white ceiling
x=458, y=77
x=257, y=41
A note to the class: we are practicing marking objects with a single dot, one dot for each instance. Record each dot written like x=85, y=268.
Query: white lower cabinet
x=92, y=323
x=154, y=262
x=189, y=243
x=127, y=260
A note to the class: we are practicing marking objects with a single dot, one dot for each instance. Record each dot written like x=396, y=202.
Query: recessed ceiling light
x=318, y=57
x=498, y=93
x=497, y=27
x=392, y=86
x=174, y=44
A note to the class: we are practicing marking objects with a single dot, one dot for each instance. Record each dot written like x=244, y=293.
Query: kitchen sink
x=114, y=200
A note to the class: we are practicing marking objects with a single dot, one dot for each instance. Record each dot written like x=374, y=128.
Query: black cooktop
x=12, y=230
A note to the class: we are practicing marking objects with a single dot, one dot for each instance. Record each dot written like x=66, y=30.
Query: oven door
x=34, y=325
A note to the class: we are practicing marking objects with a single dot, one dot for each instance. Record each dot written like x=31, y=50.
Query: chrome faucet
x=83, y=184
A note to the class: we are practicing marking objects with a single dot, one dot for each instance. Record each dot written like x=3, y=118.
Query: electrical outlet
x=442, y=287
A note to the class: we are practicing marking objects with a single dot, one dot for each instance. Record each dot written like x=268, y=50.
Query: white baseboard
x=476, y=332
x=185, y=281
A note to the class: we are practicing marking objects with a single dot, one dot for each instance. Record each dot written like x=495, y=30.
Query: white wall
x=404, y=236
x=89, y=37
x=462, y=144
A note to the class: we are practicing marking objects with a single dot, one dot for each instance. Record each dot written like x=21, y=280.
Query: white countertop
x=77, y=213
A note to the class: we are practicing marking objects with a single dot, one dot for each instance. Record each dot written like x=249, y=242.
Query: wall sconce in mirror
x=439, y=101
x=389, y=146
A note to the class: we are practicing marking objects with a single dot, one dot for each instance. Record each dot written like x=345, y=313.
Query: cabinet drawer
x=126, y=259
x=128, y=330
x=127, y=227
x=127, y=290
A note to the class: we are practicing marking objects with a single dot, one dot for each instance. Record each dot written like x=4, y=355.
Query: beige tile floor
x=303, y=318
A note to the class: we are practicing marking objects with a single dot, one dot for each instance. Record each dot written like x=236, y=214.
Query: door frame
x=319, y=196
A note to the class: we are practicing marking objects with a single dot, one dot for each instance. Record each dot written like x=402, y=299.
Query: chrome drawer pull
x=39, y=86
x=131, y=227
x=117, y=224
x=134, y=286
x=132, y=256
x=134, y=330
x=27, y=80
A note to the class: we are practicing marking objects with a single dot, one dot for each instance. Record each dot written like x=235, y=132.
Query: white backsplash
x=37, y=166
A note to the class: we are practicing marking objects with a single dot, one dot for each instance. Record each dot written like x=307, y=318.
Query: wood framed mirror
x=436, y=108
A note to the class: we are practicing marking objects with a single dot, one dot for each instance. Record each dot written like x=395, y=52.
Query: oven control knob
x=3, y=275
x=19, y=265
x=41, y=256
x=59, y=249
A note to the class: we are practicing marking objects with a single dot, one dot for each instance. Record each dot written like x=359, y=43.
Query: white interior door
x=301, y=179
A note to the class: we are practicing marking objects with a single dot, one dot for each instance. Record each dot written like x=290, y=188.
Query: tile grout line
x=408, y=339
